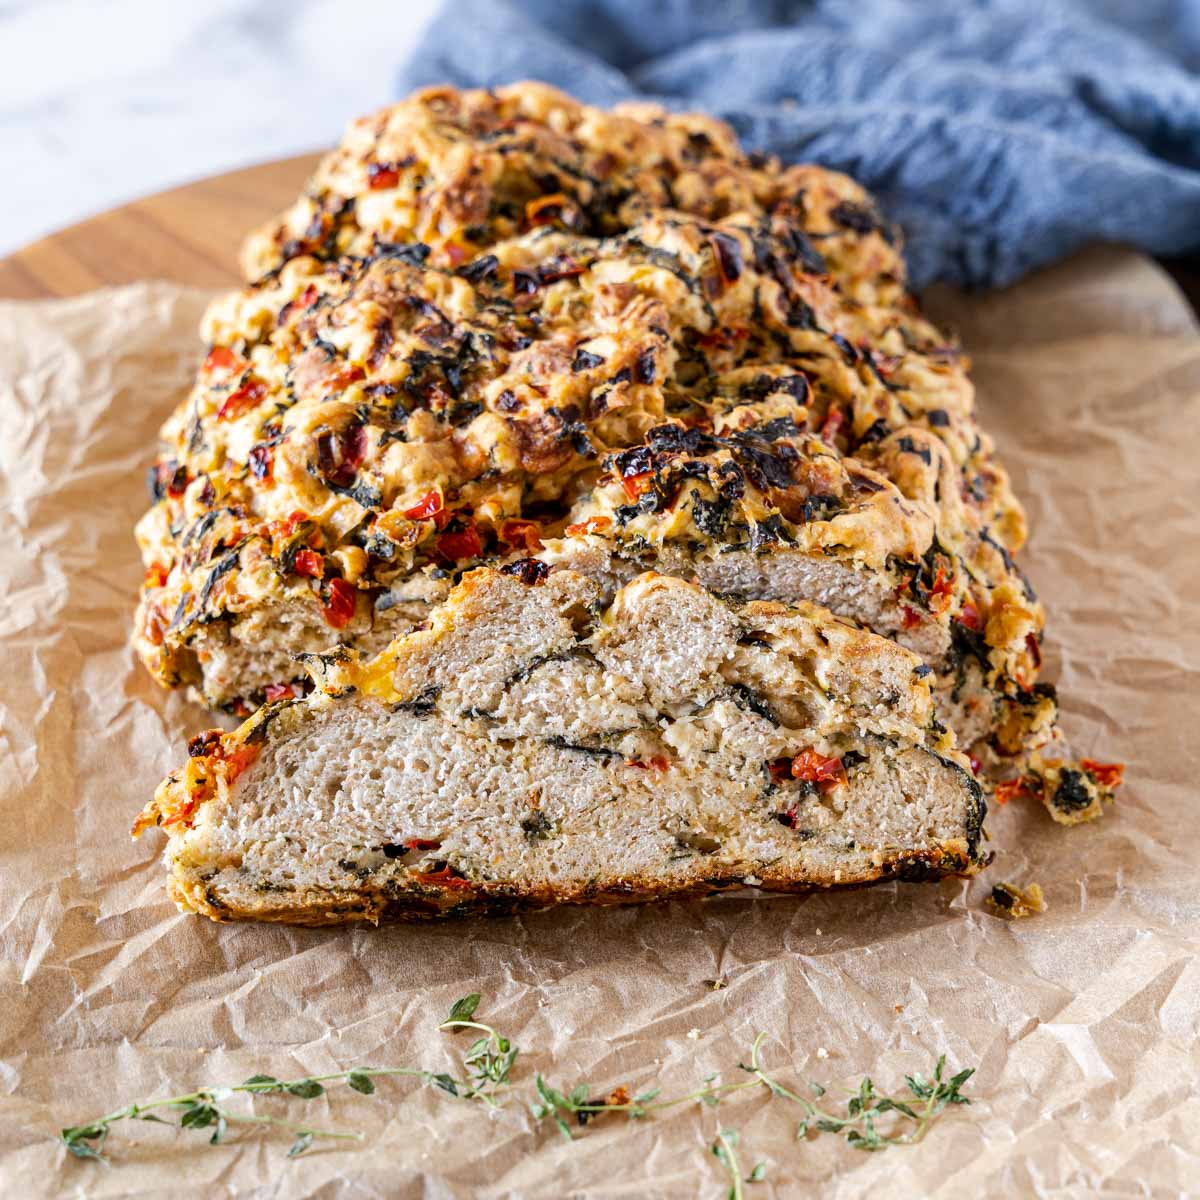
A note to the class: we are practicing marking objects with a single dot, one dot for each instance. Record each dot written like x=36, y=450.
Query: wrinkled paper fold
x=1083, y=1022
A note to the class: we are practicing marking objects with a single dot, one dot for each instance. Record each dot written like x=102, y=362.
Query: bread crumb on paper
x=1013, y=902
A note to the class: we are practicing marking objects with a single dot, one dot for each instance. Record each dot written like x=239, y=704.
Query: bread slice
x=535, y=746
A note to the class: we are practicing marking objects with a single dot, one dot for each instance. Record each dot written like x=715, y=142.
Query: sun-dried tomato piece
x=826, y=773
x=237, y=762
x=429, y=507
x=636, y=485
x=520, y=534
x=221, y=358
x=968, y=615
x=446, y=877
x=591, y=525
x=421, y=844
x=1023, y=785
x=156, y=575
x=909, y=617
x=308, y=562
x=381, y=176
x=656, y=763
x=345, y=377
x=463, y=543
x=561, y=266
x=1107, y=775
x=780, y=769
x=942, y=589
x=339, y=608
x=287, y=526
x=168, y=478
x=243, y=399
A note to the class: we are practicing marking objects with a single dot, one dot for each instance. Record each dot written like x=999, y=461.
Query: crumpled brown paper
x=1083, y=1022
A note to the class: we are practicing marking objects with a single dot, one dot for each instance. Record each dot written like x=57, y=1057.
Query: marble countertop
x=104, y=102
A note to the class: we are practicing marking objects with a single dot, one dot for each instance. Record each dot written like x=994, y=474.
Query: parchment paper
x=1083, y=1022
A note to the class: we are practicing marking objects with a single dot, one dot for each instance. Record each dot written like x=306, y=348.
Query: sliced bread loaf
x=535, y=746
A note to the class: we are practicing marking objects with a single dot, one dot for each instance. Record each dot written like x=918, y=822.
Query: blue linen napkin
x=1001, y=134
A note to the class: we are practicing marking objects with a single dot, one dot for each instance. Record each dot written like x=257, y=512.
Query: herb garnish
x=928, y=1099
x=488, y=1063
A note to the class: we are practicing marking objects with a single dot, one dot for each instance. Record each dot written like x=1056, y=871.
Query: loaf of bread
x=491, y=318
x=506, y=329
x=535, y=745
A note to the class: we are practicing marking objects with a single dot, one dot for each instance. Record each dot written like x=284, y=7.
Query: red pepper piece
x=239, y=760
x=591, y=525
x=156, y=575
x=429, y=507
x=381, y=176
x=243, y=399
x=221, y=358
x=421, y=844
x=635, y=485
x=969, y=616
x=464, y=543
x=521, y=535
x=827, y=773
x=1107, y=775
x=942, y=588
x=339, y=608
x=1023, y=785
x=446, y=877
x=308, y=562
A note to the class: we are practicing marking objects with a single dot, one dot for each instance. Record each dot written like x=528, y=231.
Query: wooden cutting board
x=189, y=235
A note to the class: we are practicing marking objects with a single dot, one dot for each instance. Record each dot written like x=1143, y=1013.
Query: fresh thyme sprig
x=489, y=1059
x=724, y=1150
x=864, y=1108
x=488, y=1062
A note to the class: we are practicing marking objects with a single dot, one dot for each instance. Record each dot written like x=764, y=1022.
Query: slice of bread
x=535, y=746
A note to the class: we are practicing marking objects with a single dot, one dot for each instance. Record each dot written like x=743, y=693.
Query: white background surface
x=102, y=101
